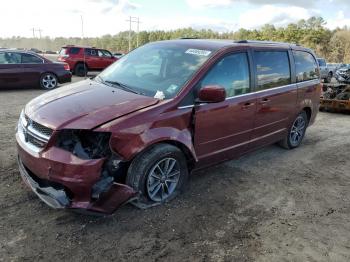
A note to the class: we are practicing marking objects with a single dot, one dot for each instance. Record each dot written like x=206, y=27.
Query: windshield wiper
x=123, y=86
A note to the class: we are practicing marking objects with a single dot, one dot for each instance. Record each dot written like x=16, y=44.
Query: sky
x=63, y=17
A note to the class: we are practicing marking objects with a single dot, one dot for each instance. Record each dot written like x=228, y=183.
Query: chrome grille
x=33, y=134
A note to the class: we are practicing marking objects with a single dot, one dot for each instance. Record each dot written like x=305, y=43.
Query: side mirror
x=212, y=94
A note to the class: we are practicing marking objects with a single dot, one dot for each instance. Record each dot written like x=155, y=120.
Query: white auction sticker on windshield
x=198, y=52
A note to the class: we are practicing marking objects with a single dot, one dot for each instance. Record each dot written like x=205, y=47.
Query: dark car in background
x=84, y=59
x=28, y=69
x=163, y=110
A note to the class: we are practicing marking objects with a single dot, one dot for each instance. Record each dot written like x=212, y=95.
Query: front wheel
x=296, y=133
x=159, y=174
x=48, y=81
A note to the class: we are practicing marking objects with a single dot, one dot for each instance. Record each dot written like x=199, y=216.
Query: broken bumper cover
x=52, y=197
x=64, y=181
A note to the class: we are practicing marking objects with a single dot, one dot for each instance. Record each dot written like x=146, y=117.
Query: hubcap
x=49, y=81
x=163, y=179
x=297, y=131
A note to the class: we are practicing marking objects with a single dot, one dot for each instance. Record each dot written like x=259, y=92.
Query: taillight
x=66, y=67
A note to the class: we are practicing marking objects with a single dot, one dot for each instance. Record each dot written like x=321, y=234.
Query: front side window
x=305, y=66
x=31, y=59
x=232, y=73
x=273, y=69
x=104, y=53
x=158, y=69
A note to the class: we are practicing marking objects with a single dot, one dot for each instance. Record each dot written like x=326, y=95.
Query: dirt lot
x=271, y=205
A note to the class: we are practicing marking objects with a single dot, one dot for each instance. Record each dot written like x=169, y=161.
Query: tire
x=144, y=174
x=296, y=132
x=80, y=69
x=48, y=81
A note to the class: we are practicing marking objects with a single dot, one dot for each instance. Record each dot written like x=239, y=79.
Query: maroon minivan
x=135, y=132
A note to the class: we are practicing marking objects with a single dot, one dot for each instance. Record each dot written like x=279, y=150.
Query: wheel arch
x=308, y=112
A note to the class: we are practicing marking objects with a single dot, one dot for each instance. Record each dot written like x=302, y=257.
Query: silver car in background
x=325, y=73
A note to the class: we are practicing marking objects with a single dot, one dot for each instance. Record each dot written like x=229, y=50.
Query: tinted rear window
x=31, y=59
x=273, y=69
x=305, y=66
x=74, y=50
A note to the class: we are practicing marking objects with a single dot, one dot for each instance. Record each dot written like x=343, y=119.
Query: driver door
x=223, y=130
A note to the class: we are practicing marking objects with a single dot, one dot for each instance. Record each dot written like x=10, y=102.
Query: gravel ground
x=270, y=205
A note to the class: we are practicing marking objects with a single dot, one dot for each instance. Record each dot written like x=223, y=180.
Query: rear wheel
x=48, y=81
x=159, y=174
x=80, y=69
x=296, y=133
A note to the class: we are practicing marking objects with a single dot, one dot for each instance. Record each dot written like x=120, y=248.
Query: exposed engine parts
x=85, y=144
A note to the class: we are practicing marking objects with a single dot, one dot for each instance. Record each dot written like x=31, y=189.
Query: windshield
x=158, y=70
x=321, y=62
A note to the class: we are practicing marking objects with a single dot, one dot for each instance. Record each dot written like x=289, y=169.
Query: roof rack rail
x=189, y=37
x=262, y=42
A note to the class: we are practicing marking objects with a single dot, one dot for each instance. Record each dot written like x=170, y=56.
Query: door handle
x=265, y=101
x=247, y=105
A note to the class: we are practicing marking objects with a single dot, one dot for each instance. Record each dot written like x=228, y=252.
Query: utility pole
x=39, y=30
x=137, y=21
x=138, y=30
x=33, y=30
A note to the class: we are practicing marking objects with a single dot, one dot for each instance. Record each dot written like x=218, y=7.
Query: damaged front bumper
x=62, y=180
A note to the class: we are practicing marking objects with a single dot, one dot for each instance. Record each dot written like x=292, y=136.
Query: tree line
x=334, y=45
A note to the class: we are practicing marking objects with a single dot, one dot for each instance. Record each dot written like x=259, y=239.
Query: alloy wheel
x=163, y=179
x=297, y=132
x=49, y=81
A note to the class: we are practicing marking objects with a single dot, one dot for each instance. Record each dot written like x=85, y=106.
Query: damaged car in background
x=343, y=74
x=134, y=132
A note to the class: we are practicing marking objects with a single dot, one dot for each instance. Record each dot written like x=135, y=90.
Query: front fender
x=132, y=144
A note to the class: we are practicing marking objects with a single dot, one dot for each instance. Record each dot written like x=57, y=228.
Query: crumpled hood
x=84, y=105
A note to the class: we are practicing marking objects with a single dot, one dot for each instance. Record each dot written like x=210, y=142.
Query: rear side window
x=272, y=68
x=305, y=66
x=31, y=59
x=232, y=73
x=90, y=52
x=10, y=58
x=74, y=50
